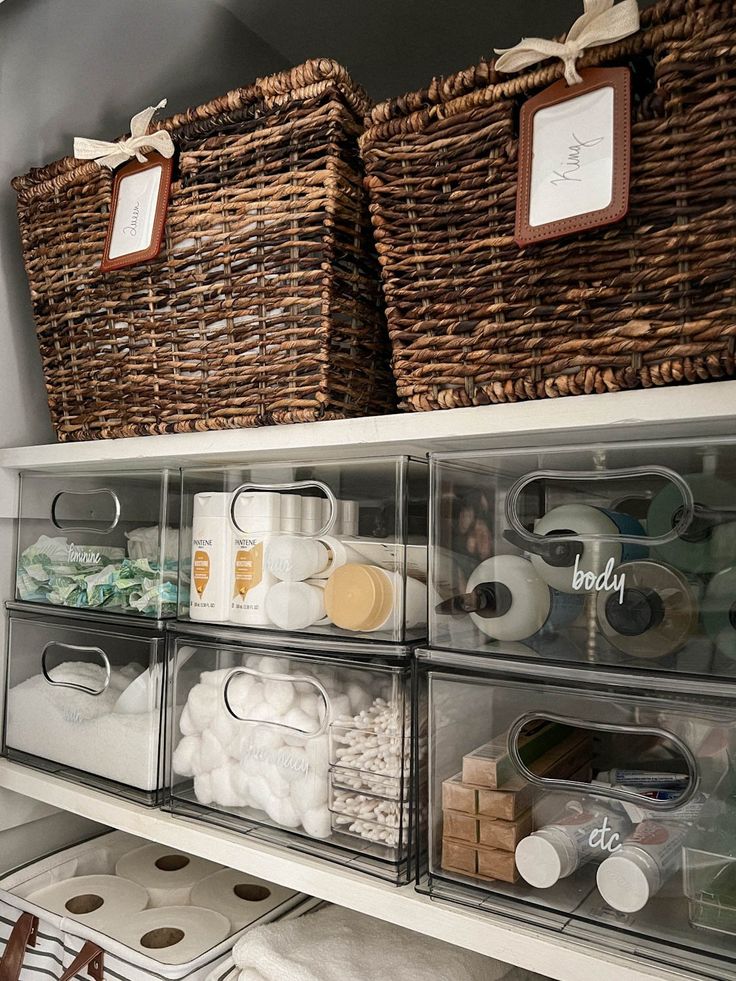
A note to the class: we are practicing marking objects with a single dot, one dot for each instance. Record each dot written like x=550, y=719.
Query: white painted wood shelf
x=546, y=953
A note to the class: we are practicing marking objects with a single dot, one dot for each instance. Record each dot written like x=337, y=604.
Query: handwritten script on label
x=574, y=161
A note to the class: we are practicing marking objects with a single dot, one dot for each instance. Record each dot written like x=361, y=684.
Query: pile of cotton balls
x=270, y=766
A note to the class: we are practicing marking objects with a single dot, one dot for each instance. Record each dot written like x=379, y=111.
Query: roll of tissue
x=711, y=550
x=242, y=898
x=167, y=874
x=174, y=934
x=101, y=902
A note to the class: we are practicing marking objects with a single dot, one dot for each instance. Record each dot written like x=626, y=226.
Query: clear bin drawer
x=312, y=751
x=584, y=806
x=105, y=542
x=85, y=700
x=332, y=548
x=621, y=554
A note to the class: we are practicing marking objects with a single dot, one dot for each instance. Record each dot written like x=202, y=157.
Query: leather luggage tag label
x=140, y=198
x=574, y=156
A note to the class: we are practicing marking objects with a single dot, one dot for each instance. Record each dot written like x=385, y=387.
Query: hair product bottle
x=257, y=517
x=210, y=599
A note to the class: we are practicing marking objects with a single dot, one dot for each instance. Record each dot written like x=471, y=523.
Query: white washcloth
x=337, y=944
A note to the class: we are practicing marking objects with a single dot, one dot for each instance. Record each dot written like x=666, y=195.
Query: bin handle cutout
x=57, y=522
x=287, y=486
x=602, y=789
x=528, y=540
x=292, y=679
x=76, y=649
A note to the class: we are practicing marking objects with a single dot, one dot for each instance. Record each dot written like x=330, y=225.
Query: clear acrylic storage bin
x=621, y=554
x=253, y=734
x=84, y=699
x=337, y=549
x=586, y=806
x=100, y=542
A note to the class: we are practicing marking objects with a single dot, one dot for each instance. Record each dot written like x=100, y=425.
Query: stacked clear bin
x=96, y=573
x=321, y=549
x=306, y=749
x=582, y=704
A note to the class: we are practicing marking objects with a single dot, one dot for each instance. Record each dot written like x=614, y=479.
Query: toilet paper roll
x=715, y=549
x=174, y=934
x=99, y=901
x=168, y=875
x=241, y=898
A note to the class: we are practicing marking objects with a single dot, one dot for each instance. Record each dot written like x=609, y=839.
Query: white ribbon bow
x=113, y=154
x=602, y=23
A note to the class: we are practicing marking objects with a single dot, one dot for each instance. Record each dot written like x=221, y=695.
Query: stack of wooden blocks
x=487, y=808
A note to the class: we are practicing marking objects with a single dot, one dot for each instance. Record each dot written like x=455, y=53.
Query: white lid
x=348, y=518
x=544, y=858
x=295, y=559
x=311, y=515
x=291, y=513
x=258, y=511
x=626, y=881
x=211, y=505
x=295, y=605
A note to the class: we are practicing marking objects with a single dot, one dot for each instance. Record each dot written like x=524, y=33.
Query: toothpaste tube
x=644, y=778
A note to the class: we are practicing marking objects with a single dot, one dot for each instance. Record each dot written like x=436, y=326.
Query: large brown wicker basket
x=263, y=306
x=475, y=319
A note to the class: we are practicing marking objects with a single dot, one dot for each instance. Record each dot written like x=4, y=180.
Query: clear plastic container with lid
x=599, y=805
x=332, y=548
x=619, y=554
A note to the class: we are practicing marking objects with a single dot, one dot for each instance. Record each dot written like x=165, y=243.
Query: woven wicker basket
x=263, y=306
x=651, y=300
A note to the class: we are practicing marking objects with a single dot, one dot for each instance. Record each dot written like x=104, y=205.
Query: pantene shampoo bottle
x=256, y=517
x=209, y=599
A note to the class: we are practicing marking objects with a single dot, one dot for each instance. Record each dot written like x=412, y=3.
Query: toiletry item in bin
x=708, y=544
x=719, y=611
x=366, y=598
x=99, y=901
x=210, y=593
x=348, y=518
x=507, y=600
x=167, y=874
x=653, y=615
x=297, y=605
x=563, y=565
x=290, y=509
x=257, y=517
x=638, y=870
x=312, y=522
x=292, y=559
x=644, y=778
x=585, y=831
x=174, y=934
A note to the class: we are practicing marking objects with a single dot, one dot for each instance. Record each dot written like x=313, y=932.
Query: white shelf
x=707, y=408
x=494, y=936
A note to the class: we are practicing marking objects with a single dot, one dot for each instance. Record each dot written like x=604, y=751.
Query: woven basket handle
x=90, y=956
x=23, y=935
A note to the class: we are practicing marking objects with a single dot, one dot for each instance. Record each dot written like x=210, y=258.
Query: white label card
x=572, y=158
x=135, y=214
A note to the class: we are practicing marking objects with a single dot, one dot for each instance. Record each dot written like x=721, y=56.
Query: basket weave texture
x=651, y=300
x=264, y=304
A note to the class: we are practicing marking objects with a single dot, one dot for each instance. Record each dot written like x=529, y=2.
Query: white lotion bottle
x=292, y=559
x=297, y=605
x=210, y=599
x=257, y=518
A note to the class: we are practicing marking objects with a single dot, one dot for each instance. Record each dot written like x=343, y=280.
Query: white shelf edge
x=707, y=408
x=534, y=950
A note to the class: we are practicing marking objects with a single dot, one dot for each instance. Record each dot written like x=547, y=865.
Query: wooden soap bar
x=462, y=827
x=504, y=835
x=457, y=797
x=491, y=766
x=493, y=863
x=507, y=803
x=458, y=856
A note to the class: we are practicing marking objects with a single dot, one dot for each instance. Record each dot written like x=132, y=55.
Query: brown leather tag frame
x=162, y=204
x=619, y=79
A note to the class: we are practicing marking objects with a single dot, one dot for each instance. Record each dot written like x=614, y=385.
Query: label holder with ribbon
x=575, y=136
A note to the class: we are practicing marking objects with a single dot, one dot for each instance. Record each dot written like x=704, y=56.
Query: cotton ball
x=273, y=665
x=309, y=792
x=340, y=707
x=279, y=694
x=186, y=759
x=238, y=688
x=267, y=739
x=252, y=661
x=212, y=754
x=202, y=704
x=283, y=812
x=215, y=679
x=296, y=719
x=226, y=730
x=317, y=822
x=186, y=724
x=359, y=699
x=203, y=788
x=259, y=792
x=311, y=704
x=293, y=762
x=276, y=779
x=318, y=753
x=223, y=792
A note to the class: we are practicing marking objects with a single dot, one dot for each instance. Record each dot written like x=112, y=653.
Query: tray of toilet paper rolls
x=116, y=906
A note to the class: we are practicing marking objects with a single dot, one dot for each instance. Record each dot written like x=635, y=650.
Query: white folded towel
x=337, y=944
